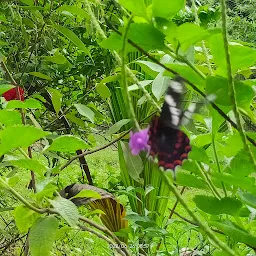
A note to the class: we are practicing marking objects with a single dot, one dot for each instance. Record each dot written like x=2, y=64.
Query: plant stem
x=205, y=227
x=231, y=82
x=123, y=70
x=218, y=165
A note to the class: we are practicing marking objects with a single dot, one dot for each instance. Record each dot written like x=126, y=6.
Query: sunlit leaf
x=117, y=126
x=85, y=111
x=166, y=8
x=42, y=236
x=56, y=98
x=40, y=75
x=67, y=143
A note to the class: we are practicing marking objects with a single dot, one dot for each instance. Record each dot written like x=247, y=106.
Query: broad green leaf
x=76, y=120
x=136, y=7
x=219, y=86
x=246, y=183
x=66, y=209
x=88, y=193
x=150, y=68
x=114, y=42
x=74, y=10
x=201, y=140
x=57, y=58
x=24, y=218
x=45, y=190
x=186, y=72
x=56, y=97
x=40, y=75
x=241, y=56
x=133, y=163
x=19, y=136
x=187, y=34
x=238, y=166
x=67, y=143
x=72, y=37
x=26, y=104
x=248, y=198
x=85, y=111
x=117, y=126
x=142, y=83
x=166, y=8
x=103, y=90
x=160, y=85
x=146, y=36
x=214, y=206
x=42, y=236
x=235, y=232
x=5, y=87
x=199, y=154
x=30, y=164
x=9, y=118
x=189, y=180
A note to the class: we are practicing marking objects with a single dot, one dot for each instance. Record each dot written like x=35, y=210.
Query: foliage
x=90, y=69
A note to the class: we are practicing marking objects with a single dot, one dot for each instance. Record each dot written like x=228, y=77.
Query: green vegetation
x=78, y=79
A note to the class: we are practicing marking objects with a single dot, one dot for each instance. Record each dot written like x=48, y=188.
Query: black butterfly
x=167, y=142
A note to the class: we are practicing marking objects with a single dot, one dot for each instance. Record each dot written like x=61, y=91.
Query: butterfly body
x=167, y=142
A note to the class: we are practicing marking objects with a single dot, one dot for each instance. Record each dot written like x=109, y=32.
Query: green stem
x=20, y=197
x=209, y=182
x=203, y=43
x=231, y=82
x=218, y=165
x=202, y=225
x=124, y=80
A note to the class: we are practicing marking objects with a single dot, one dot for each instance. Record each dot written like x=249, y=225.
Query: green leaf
x=248, y=198
x=199, y=154
x=214, y=206
x=29, y=164
x=5, y=87
x=9, y=118
x=66, y=209
x=241, y=56
x=186, y=72
x=19, y=136
x=75, y=119
x=189, y=180
x=187, y=34
x=26, y=104
x=24, y=218
x=117, y=126
x=88, y=194
x=219, y=86
x=72, y=37
x=238, y=166
x=247, y=183
x=57, y=58
x=67, y=143
x=235, y=232
x=160, y=85
x=85, y=111
x=74, y=10
x=42, y=236
x=28, y=2
x=103, y=90
x=166, y=8
x=56, y=97
x=133, y=163
x=142, y=83
x=114, y=42
x=146, y=36
x=136, y=7
x=40, y=75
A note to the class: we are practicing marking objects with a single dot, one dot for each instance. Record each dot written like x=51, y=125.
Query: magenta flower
x=139, y=141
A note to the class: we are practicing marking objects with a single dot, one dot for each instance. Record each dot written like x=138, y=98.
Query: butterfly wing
x=169, y=144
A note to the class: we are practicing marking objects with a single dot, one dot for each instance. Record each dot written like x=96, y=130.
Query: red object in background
x=13, y=95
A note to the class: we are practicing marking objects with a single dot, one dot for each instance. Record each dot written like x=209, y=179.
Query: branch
x=93, y=151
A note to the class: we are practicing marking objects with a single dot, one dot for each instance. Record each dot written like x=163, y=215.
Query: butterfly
x=167, y=142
